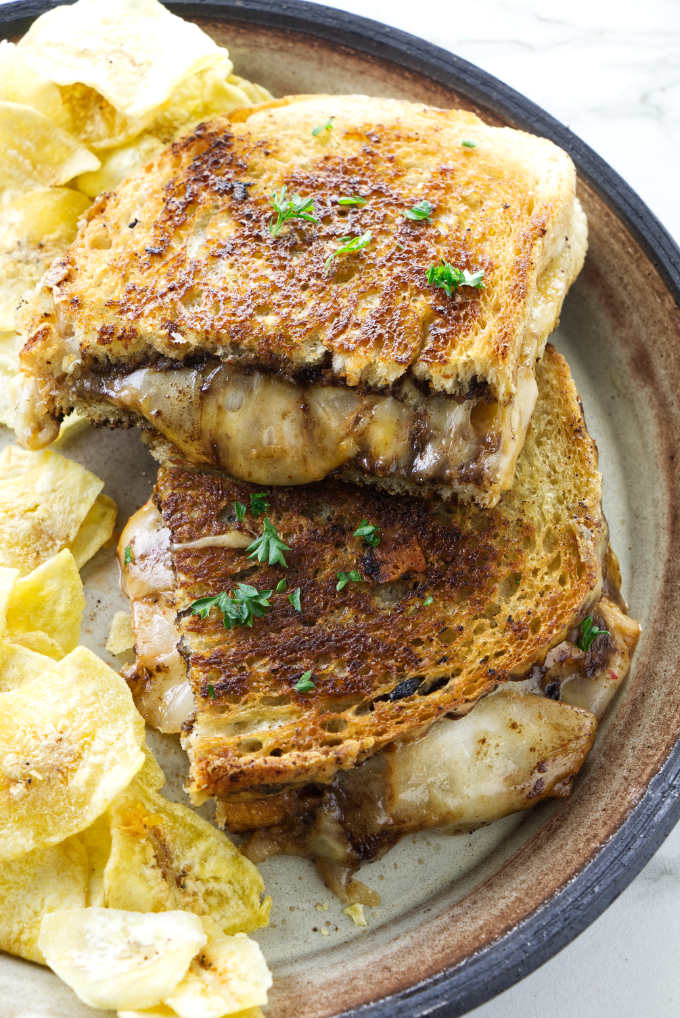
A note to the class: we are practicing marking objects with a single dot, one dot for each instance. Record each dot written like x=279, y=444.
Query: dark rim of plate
x=562, y=917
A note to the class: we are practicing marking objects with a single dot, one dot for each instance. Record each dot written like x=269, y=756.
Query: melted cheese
x=267, y=430
x=162, y=691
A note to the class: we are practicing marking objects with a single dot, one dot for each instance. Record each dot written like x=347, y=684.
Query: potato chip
x=133, y=52
x=35, y=152
x=36, y=883
x=150, y=777
x=165, y=856
x=19, y=83
x=95, y=122
x=69, y=744
x=254, y=93
x=114, y=959
x=119, y=164
x=40, y=643
x=72, y=425
x=95, y=531
x=121, y=637
x=44, y=501
x=49, y=600
x=230, y=974
x=207, y=93
x=96, y=840
x=35, y=228
x=19, y=665
x=8, y=578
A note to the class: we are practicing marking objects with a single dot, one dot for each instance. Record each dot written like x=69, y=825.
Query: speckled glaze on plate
x=464, y=917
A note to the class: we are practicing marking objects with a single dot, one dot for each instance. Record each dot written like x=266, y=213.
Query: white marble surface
x=611, y=71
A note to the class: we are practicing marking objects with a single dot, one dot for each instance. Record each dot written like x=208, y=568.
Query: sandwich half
x=295, y=635
x=319, y=285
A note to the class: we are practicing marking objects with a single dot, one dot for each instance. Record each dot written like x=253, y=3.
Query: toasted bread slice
x=283, y=356
x=450, y=602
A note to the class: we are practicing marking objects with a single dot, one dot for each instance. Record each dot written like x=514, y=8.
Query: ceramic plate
x=462, y=917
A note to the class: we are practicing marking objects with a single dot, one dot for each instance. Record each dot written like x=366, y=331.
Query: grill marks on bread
x=507, y=584
x=201, y=270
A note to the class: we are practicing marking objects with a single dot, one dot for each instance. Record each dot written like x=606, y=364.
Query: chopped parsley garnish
x=420, y=212
x=344, y=578
x=238, y=608
x=466, y=143
x=128, y=555
x=294, y=599
x=428, y=601
x=211, y=691
x=240, y=511
x=449, y=278
x=304, y=684
x=290, y=208
x=588, y=633
x=258, y=503
x=320, y=128
x=354, y=200
x=268, y=547
x=281, y=585
x=348, y=245
x=369, y=532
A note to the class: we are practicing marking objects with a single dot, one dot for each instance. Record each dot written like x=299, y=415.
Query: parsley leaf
x=128, y=556
x=428, y=600
x=294, y=599
x=369, y=532
x=281, y=585
x=345, y=578
x=320, y=128
x=240, y=511
x=588, y=633
x=450, y=278
x=238, y=608
x=259, y=503
x=420, y=212
x=304, y=684
x=268, y=547
x=348, y=245
x=211, y=691
x=290, y=208
x=469, y=144
x=354, y=200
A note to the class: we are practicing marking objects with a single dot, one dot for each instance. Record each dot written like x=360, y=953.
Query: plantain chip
x=229, y=975
x=50, y=600
x=38, y=882
x=44, y=501
x=20, y=664
x=69, y=744
x=95, y=531
x=114, y=959
x=165, y=856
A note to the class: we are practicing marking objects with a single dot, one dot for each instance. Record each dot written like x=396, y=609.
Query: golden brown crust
x=506, y=584
x=180, y=259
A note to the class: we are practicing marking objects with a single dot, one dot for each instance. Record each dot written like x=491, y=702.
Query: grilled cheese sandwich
x=283, y=356
x=452, y=602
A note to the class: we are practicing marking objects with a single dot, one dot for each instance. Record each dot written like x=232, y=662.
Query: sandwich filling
x=334, y=341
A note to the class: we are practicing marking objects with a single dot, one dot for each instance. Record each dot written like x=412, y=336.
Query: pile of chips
x=91, y=93
x=91, y=852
